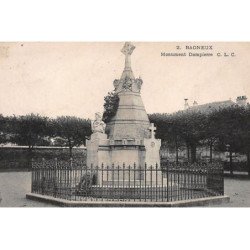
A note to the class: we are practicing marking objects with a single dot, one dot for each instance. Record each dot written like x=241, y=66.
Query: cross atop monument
x=127, y=50
x=152, y=129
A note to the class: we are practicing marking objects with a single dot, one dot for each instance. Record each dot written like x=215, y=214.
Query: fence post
x=55, y=184
x=123, y=180
x=102, y=182
x=113, y=180
x=43, y=176
x=134, y=182
x=145, y=185
x=90, y=182
x=161, y=169
x=222, y=179
x=140, y=176
x=70, y=179
x=151, y=184
x=106, y=172
x=168, y=183
x=156, y=181
x=128, y=180
x=32, y=175
x=118, y=182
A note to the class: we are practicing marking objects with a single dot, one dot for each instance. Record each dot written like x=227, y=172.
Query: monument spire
x=131, y=119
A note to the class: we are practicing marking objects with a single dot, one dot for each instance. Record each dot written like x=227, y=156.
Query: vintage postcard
x=124, y=124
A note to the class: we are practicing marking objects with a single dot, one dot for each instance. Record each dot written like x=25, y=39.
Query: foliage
x=181, y=128
x=34, y=130
x=72, y=130
x=232, y=129
x=2, y=129
x=111, y=103
x=29, y=130
x=225, y=129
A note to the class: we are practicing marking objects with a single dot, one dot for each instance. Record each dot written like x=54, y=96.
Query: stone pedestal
x=152, y=148
x=98, y=150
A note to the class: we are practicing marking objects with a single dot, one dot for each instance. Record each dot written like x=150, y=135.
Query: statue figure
x=116, y=83
x=98, y=125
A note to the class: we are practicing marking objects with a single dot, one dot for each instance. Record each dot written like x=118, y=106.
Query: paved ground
x=14, y=186
x=239, y=192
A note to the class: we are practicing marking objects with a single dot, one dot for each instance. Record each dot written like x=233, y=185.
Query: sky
x=72, y=78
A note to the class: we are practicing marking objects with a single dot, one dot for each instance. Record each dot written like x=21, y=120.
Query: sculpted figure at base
x=98, y=125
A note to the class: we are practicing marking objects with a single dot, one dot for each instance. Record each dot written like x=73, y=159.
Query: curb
x=184, y=203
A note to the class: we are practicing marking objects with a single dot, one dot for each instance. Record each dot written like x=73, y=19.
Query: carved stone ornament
x=128, y=48
x=127, y=84
x=138, y=82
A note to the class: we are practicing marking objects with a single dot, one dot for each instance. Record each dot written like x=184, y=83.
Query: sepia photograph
x=124, y=124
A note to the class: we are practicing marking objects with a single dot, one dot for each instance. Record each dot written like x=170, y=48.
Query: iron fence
x=72, y=180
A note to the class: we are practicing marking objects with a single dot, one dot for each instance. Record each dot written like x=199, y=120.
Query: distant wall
x=20, y=158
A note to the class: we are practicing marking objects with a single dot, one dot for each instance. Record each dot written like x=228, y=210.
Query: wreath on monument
x=111, y=103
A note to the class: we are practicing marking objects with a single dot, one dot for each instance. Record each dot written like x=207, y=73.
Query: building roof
x=211, y=106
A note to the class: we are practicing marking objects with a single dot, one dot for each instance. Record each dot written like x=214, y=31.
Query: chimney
x=186, y=105
x=195, y=103
x=241, y=100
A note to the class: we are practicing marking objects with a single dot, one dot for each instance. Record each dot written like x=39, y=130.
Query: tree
x=192, y=130
x=2, y=129
x=168, y=129
x=29, y=130
x=226, y=124
x=111, y=103
x=245, y=136
x=72, y=130
x=225, y=129
x=211, y=134
x=181, y=127
x=232, y=128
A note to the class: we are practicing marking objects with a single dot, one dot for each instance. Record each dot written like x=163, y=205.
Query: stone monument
x=129, y=138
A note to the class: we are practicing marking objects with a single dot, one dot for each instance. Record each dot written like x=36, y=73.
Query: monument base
x=132, y=158
x=131, y=192
x=128, y=152
x=206, y=201
x=97, y=150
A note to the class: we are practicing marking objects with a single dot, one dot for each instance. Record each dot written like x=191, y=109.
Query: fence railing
x=72, y=180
